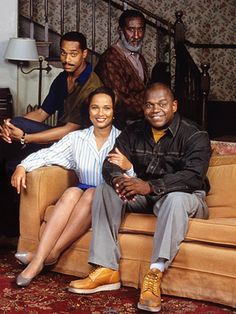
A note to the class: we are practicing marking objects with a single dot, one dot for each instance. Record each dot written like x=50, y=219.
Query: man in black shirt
x=170, y=157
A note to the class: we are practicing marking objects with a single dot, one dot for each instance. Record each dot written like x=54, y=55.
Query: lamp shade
x=22, y=49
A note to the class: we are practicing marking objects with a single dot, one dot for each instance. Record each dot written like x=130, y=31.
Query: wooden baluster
x=46, y=20
x=78, y=8
x=205, y=88
x=93, y=30
x=179, y=28
x=62, y=17
x=157, y=42
x=109, y=24
x=169, y=52
x=31, y=20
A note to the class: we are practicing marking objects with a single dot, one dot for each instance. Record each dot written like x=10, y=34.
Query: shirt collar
x=172, y=128
x=83, y=77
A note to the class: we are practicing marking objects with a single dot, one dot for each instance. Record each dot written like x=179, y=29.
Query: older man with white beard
x=122, y=68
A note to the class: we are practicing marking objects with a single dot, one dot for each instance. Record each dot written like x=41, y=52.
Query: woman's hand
x=18, y=178
x=120, y=160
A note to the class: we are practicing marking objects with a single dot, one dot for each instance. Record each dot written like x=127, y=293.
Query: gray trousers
x=173, y=211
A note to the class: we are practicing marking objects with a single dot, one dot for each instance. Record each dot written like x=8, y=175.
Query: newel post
x=179, y=30
x=205, y=88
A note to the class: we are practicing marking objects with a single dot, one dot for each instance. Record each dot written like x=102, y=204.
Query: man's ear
x=175, y=105
x=85, y=53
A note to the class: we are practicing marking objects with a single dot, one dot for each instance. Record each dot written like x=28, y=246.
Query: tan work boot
x=150, y=296
x=100, y=279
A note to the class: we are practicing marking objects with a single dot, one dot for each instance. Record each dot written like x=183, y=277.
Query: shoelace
x=152, y=283
x=94, y=269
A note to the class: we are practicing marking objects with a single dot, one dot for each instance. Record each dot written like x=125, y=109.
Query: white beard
x=127, y=45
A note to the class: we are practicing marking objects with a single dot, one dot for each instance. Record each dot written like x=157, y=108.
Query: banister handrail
x=191, y=85
x=206, y=46
x=139, y=8
x=171, y=26
x=169, y=30
x=160, y=24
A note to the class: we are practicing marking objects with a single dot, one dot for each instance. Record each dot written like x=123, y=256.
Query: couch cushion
x=220, y=231
x=220, y=228
x=221, y=198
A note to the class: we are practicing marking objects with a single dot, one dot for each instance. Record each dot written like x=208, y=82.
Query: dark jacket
x=177, y=162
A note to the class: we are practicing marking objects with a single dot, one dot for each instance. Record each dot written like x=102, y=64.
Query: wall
x=28, y=86
x=211, y=21
x=24, y=88
x=206, y=22
x=8, y=28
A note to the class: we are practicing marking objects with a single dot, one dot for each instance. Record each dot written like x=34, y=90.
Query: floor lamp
x=24, y=50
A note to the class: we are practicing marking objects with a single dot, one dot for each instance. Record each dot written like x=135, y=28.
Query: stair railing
x=153, y=20
x=188, y=84
x=191, y=85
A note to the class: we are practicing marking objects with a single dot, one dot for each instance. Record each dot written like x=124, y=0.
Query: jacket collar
x=172, y=128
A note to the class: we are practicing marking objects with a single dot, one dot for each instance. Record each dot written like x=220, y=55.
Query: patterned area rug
x=48, y=294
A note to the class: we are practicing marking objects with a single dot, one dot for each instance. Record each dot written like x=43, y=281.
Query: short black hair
x=130, y=14
x=103, y=90
x=160, y=85
x=75, y=36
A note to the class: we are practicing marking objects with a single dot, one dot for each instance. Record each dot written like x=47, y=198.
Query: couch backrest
x=221, y=198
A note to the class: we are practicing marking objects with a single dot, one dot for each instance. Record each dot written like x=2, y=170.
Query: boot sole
x=114, y=286
x=149, y=308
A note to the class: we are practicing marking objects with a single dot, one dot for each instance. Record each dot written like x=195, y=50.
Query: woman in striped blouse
x=83, y=151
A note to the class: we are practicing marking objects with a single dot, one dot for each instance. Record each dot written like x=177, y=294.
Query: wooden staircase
x=190, y=84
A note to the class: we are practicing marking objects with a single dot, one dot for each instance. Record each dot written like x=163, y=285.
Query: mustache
x=135, y=40
x=66, y=63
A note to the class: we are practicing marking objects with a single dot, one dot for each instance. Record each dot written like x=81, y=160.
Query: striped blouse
x=77, y=151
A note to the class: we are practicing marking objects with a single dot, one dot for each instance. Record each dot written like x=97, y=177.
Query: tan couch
x=204, y=268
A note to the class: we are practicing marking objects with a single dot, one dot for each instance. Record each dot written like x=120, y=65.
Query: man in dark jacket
x=170, y=157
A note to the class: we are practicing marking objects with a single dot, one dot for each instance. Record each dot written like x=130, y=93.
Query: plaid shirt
x=177, y=162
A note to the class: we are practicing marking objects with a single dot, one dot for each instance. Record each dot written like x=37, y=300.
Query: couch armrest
x=44, y=186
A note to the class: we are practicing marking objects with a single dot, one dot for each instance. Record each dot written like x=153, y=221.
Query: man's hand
x=10, y=132
x=128, y=187
x=5, y=131
x=18, y=178
x=119, y=159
